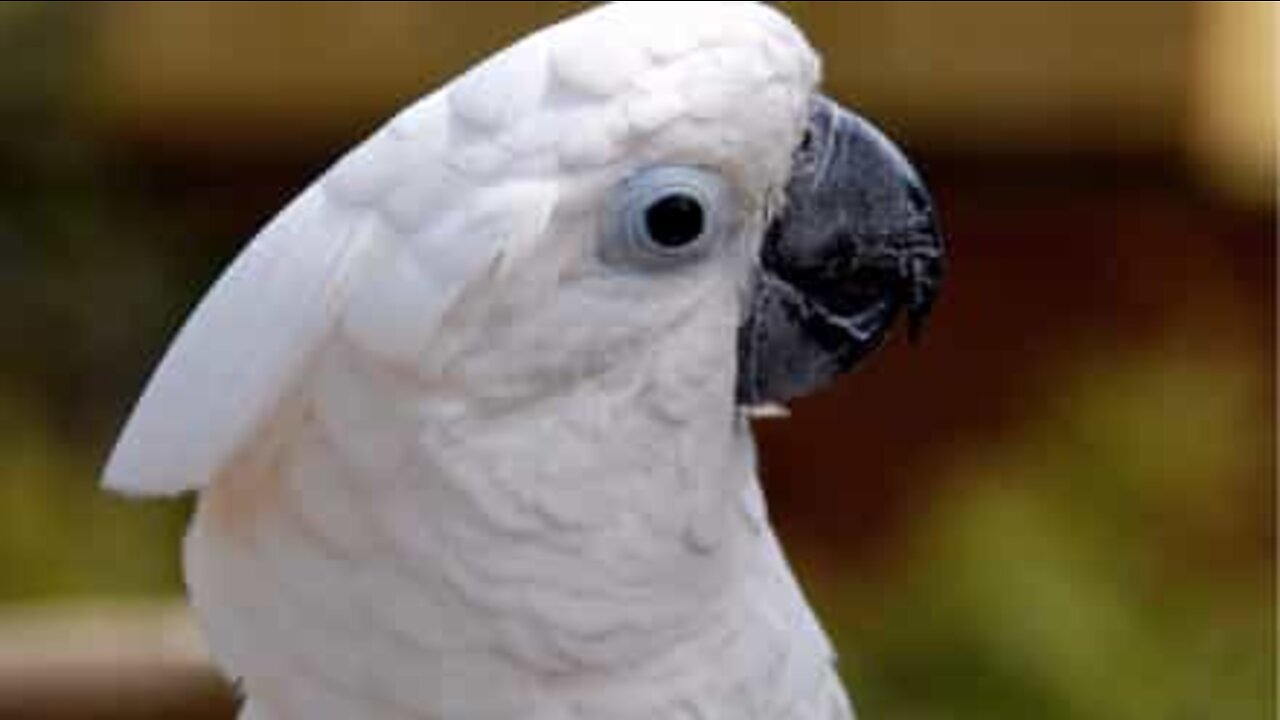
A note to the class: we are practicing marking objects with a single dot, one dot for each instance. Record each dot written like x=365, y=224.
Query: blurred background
x=1060, y=506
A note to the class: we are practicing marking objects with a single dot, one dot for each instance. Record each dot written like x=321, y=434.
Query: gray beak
x=855, y=245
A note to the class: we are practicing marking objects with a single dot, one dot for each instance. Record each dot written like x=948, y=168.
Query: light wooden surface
x=106, y=661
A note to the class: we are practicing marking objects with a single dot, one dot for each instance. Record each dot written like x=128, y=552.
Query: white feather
x=237, y=356
x=328, y=260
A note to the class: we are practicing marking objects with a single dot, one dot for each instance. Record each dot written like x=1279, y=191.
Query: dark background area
x=1059, y=505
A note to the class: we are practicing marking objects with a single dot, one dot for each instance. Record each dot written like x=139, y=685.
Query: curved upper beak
x=856, y=244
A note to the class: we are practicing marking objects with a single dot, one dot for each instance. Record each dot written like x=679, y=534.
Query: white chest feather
x=400, y=550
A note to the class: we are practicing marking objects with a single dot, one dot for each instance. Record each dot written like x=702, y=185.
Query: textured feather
x=336, y=257
x=248, y=341
x=454, y=466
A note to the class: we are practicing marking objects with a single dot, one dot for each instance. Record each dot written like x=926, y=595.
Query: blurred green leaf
x=1112, y=562
x=61, y=536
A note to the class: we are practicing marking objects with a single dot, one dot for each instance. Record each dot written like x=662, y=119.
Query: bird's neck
x=605, y=524
x=599, y=539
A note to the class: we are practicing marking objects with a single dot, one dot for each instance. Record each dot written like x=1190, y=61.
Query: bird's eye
x=675, y=220
x=667, y=215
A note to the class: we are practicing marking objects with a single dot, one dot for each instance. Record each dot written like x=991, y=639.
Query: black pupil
x=675, y=220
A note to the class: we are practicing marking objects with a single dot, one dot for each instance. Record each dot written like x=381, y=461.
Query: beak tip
x=917, y=320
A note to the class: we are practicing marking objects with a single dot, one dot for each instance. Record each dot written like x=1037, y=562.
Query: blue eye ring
x=666, y=216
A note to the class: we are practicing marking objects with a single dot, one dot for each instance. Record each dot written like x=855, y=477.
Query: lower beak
x=855, y=246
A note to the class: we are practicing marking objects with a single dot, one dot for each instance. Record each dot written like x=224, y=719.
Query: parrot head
x=648, y=196
x=703, y=185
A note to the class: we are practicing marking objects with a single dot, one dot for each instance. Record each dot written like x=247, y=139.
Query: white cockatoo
x=470, y=419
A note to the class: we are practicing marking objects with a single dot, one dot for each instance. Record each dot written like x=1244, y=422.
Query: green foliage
x=1113, y=562
x=61, y=536
x=84, y=293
